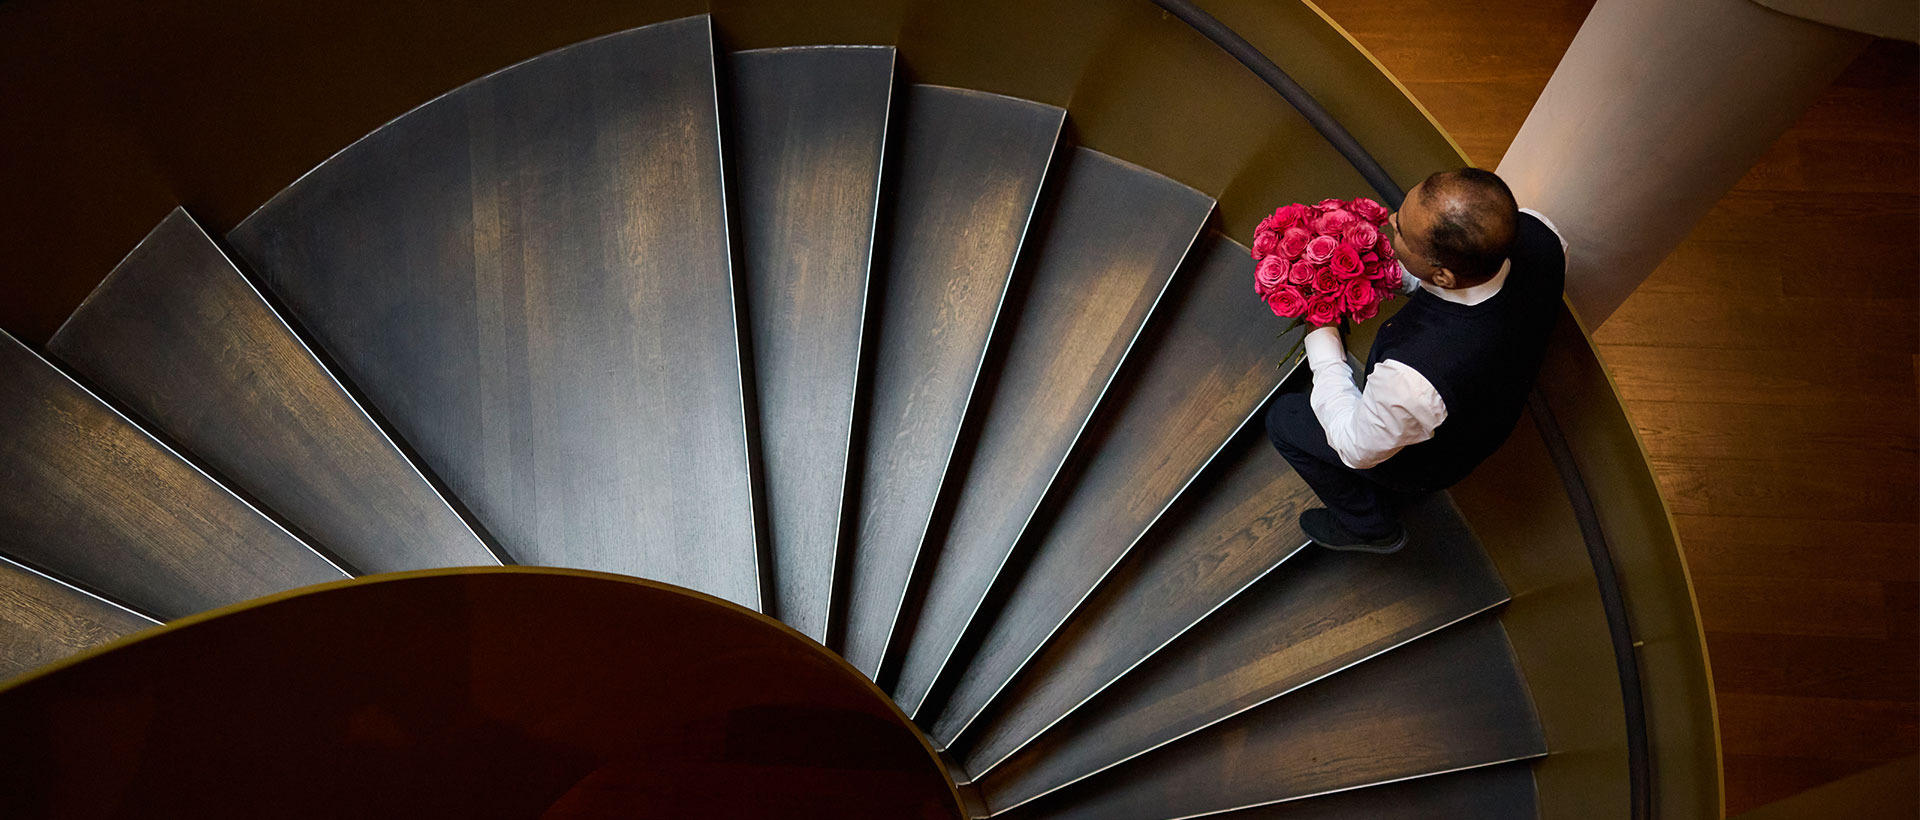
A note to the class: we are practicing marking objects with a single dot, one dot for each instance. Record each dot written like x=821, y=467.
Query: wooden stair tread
x=179, y=336
x=1453, y=701
x=807, y=131
x=1234, y=526
x=1321, y=612
x=94, y=499
x=1203, y=369
x=1110, y=241
x=43, y=620
x=530, y=278
x=962, y=191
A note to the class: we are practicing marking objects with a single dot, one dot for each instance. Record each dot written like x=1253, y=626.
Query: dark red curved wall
x=481, y=693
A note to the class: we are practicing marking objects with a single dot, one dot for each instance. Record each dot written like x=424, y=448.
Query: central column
x=1657, y=109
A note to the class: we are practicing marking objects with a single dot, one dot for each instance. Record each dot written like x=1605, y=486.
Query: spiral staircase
x=909, y=367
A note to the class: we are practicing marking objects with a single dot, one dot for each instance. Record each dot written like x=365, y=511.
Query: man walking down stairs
x=1448, y=374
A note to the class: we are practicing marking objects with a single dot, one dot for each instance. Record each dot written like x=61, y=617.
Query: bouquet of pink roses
x=1319, y=264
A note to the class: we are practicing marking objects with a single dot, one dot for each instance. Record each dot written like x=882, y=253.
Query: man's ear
x=1444, y=278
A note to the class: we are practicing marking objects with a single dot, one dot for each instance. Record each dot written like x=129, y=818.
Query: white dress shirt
x=1399, y=407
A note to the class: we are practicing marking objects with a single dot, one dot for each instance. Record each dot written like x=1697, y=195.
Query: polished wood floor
x=1770, y=367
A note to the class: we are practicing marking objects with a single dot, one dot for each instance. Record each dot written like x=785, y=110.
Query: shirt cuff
x=1324, y=349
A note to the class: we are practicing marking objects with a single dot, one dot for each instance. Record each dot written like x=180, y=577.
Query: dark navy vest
x=1481, y=358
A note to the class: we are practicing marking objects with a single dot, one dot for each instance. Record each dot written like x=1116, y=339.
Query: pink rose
x=1327, y=282
x=1319, y=249
x=1282, y=218
x=1293, y=216
x=1360, y=235
x=1366, y=312
x=1333, y=222
x=1294, y=242
x=1269, y=274
x=1323, y=310
x=1345, y=262
x=1302, y=272
x=1287, y=302
x=1384, y=247
x=1369, y=210
x=1286, y=216
x=1358, y=294
x=1330, y=204
x=1264, y=243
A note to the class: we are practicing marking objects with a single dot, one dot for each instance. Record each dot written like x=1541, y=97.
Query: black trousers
x=1363, y=501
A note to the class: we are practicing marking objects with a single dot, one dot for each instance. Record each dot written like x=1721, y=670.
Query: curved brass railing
x=1619, y=625
x=1270, y=73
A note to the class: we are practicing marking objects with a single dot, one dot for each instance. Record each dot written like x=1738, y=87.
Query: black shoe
x=1320, y=526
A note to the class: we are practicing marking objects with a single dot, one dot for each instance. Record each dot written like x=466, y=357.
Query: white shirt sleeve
x=1398, y=408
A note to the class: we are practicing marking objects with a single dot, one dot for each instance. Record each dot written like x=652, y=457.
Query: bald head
x=1468, y=217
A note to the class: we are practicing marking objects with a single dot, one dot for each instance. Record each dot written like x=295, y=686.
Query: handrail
x=1619, y=626
x=1302, y=101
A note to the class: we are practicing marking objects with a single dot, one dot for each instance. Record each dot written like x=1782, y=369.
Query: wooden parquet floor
x=1770, y=366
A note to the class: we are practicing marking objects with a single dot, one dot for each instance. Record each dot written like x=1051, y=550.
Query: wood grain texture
x=807, y=135
x=1864, y=731
x=43, y=620
x=1823, y=490
x=1503, y=792
x=94, y=499
x=1480, y=81
x=1755, y=774
x=1727, y=545
x=179, y=336
x=1794, y=606
x=1816, y=666
x=1884, y=792
x=1766, y=322
x=1203, y=369
x=1109, y=244
x=1236, y=524
x=1765, y=378
x=1449, y=702
x=1321, y=612
x=962, y=195
x=530, y=278
x=1724, y=322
